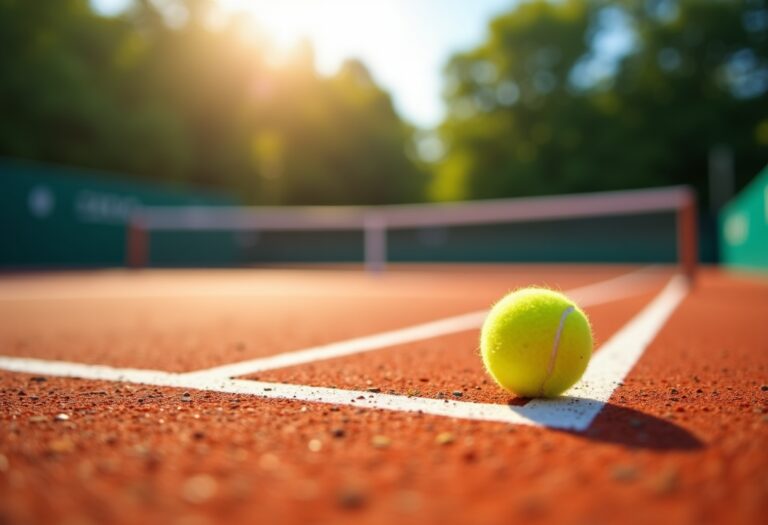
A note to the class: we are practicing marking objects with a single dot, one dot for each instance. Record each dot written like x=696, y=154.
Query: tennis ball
x=536, y=342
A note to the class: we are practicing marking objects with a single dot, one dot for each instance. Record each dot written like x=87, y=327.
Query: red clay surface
x=682, y=440
x=183, y=321
x=445, y=367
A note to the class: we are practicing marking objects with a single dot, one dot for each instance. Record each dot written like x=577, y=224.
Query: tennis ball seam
x=555, y=347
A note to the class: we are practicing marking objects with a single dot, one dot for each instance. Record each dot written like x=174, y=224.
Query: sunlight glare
x=337, y=29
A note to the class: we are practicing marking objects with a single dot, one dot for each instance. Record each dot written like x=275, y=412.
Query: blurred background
x=112, y=105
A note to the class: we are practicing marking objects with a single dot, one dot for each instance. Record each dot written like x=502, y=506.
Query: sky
x=404, y=43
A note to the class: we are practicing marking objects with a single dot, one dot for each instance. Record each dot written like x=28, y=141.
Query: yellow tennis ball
x=536, y=342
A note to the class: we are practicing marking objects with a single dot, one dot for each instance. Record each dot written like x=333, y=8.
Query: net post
x=375, y=232
x=137, y=244
x=687, y=235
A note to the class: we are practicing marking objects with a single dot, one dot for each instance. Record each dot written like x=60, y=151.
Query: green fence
x=744, y=227
x=54, y=217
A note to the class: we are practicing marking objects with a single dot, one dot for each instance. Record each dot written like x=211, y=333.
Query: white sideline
x=590, y=295
x=575, y=411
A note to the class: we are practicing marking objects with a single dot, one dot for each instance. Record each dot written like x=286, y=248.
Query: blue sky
x=404, y=43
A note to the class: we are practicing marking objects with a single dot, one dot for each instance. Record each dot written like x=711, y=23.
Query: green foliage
x=527, y=118
x=193, y=105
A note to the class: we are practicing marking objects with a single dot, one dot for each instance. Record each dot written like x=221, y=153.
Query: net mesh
x=620, y=227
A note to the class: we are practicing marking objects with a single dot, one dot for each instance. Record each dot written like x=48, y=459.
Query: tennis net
x=648, y=225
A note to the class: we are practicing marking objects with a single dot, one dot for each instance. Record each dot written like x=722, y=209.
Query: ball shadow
x=634, y=429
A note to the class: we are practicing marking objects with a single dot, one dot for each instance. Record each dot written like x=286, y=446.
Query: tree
x=527, y=118
x=182, y=101
x=334, y=141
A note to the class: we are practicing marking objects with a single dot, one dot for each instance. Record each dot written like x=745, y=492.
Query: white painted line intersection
x=602, y=292
x=575, y=411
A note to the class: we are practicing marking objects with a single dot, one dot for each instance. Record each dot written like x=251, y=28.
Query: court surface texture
x=331, y=395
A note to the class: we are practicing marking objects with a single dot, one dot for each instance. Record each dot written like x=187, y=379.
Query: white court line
x=575, y=411
x=590, y=295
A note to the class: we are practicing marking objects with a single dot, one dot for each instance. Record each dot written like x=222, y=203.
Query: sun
x=337, y=29
x=285, y=23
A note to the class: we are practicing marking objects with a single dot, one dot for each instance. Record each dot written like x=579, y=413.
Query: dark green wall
x=632, y=238
x=54, y=217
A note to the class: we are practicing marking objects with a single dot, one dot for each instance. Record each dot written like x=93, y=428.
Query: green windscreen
x=630, y=238
x=54, y=217
x=744, y=227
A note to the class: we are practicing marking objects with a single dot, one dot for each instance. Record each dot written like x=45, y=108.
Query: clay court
x=332, y=395
x=256, y=260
